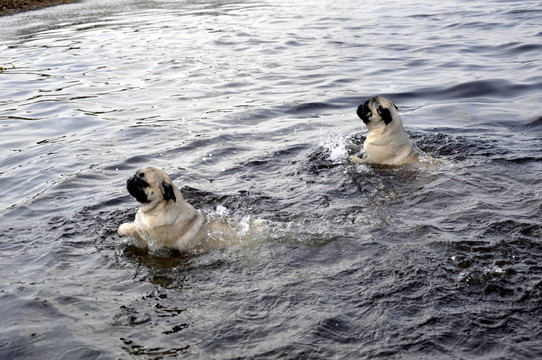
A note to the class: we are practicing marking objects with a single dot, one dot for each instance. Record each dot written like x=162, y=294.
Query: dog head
x=378, y=112
x=151, y=185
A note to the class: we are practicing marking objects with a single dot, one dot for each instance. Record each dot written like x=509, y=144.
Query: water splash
x=336, y=145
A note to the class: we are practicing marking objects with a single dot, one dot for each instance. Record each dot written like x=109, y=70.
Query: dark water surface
x=250, y=106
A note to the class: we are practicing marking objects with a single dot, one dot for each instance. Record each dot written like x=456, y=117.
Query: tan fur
x=387, y=144
x=170, y=224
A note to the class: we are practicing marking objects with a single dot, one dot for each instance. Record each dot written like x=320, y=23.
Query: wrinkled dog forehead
x=379, y=101
x=152, y=175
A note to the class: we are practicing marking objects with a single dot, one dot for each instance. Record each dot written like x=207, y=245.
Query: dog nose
x=136, y=181
x=135, y=187
x=364, y=112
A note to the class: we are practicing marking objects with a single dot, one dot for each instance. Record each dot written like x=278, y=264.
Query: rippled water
x=250, y=106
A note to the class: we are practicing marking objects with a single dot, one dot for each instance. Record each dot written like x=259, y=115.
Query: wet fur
x=387, y=142
x=166, y=220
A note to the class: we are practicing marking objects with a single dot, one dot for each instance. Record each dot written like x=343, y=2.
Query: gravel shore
x=8, y=7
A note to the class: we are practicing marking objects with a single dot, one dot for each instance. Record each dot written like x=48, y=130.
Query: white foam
x=336, y=144
x=222, y=210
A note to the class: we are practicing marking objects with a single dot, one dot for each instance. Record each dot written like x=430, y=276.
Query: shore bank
x=8, y=7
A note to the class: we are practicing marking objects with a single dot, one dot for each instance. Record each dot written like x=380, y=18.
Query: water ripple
x=250, y=106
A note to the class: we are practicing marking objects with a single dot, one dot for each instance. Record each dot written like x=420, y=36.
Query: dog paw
x=126, y=229
x=355, y=159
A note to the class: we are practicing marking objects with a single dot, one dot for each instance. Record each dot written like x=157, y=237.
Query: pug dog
x=166, y=221
x=387, y=142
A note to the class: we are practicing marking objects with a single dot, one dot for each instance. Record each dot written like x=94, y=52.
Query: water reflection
x=251, y=107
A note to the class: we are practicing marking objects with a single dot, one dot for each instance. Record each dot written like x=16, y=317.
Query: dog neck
x=150, y=206
x=388, y=145
x=387, y=136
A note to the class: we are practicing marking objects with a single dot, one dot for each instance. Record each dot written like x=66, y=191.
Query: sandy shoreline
x=8, y=7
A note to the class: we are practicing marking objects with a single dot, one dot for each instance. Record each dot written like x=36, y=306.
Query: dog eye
x=141, y=175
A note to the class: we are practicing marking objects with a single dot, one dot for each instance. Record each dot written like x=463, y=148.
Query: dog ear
x=167, y=190
x=385, y=114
